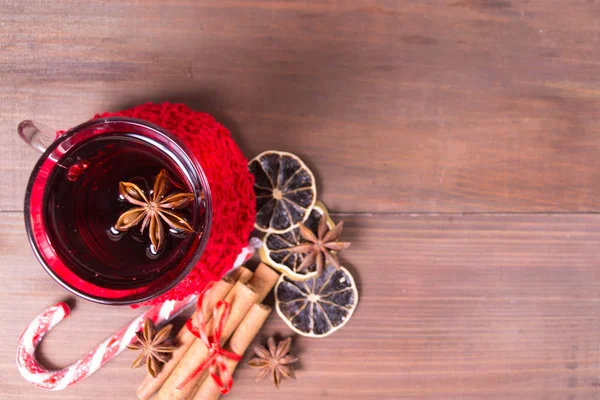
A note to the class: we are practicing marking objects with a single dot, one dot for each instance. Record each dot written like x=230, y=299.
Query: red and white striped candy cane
x=43, y=378
x=36, y=374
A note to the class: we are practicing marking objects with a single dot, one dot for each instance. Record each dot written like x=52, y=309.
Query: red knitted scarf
x=226, y=169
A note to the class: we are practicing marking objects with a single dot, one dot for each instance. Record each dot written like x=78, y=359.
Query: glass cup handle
x=38, y=136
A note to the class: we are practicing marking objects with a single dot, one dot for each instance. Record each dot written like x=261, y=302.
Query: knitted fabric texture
x=226, y=169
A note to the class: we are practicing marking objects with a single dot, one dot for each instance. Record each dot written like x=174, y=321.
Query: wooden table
x=458, y=141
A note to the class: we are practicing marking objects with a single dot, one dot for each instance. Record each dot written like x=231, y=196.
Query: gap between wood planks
x=432, y=214
x=449, y=213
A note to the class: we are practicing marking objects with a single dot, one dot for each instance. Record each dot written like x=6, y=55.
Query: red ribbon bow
x=215, y=360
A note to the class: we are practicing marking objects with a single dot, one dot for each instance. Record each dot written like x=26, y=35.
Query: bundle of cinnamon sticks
x=244, y=291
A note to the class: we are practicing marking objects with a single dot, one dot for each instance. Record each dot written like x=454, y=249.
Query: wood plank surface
x=466, y=105
x=457, y=139
x=451, y=307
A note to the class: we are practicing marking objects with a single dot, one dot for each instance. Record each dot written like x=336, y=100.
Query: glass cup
x=75, y=196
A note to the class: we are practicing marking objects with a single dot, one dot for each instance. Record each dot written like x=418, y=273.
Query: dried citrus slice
x=318, y=306
x=275, y=250
x=285, y=191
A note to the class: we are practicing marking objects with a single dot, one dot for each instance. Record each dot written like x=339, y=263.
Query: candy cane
x=36, y=374
x=246, y=253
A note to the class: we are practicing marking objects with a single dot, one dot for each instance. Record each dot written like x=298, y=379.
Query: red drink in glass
x=73, y=202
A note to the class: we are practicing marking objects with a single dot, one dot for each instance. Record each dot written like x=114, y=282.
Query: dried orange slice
x=285, y=191
x=275, y=250
x=318, y=306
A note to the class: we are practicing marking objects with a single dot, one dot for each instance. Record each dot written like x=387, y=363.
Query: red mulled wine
x=82, y=203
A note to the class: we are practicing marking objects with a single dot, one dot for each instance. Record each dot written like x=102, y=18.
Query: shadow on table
x=295, y=84
x=208, y=101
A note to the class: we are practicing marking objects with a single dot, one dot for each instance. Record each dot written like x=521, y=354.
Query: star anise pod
x=320, y=247
x=151, y=209
x=155, y=347
x=274, y=360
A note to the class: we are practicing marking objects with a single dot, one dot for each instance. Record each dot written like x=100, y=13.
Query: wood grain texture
x=451, y=307
x=413, y=115
x=466, y=105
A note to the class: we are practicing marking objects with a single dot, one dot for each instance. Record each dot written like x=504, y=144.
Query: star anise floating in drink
x=152, y=210
x=154, y=345
x=320, y=247
x=274, y=360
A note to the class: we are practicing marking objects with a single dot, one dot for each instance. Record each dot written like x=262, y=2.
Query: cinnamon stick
x=263, y=280
x=184, y=338
x=239, y=343
x=241, y=298
x=241, y=274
